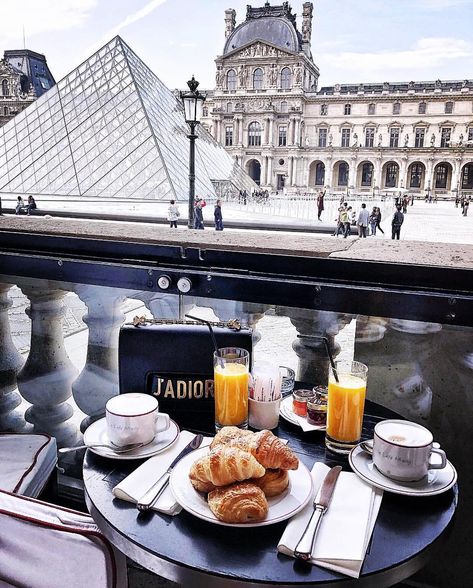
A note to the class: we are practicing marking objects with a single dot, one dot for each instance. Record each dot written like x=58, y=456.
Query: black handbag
x=173, y=361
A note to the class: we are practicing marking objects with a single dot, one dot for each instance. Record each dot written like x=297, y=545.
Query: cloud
x=426, y=53
x=444, y=4
x=41, y=17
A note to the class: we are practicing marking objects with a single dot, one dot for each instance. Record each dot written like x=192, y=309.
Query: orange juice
x=231, y=394
x=346, y=402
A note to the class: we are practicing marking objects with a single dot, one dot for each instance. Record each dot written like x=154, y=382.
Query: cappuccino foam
x=404, y=433
x=131, y=404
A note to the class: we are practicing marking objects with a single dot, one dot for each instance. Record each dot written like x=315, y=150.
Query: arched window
x=448, y=107
x=5, y=90
x=343, y=174
x=367, y=174
x=231, y=79
x=254, y=134
x=229, y=107
x=347, y=109
x=417, y=170
x=391, y=175
x=441, y=173
x=286, y=78
x=422, y=107
x=284, y=106
x=258, y=79
x=319, y=174
x=397, y=108
x=5, y=111
x=371, y=109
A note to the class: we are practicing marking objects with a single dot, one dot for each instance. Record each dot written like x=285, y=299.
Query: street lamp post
x=193, y=101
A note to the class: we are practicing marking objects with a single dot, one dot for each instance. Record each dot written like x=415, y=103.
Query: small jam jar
x=317, y=407
x=299, y=401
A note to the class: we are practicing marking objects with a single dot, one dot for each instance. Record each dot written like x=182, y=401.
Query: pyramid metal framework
x=111, y=128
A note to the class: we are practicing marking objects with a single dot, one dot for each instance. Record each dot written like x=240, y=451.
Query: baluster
x=165, y=306
x=10, y=364
x=98, y=381
x=46, y=378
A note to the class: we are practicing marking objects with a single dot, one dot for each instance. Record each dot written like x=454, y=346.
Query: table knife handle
x=149, y=498
x=304, y=548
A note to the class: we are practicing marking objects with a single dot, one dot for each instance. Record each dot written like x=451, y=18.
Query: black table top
x=195, y=553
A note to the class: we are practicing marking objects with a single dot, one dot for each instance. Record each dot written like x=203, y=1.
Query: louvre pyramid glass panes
x=110, y=128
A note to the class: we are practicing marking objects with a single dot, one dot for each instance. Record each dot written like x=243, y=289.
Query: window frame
x=422, y=108
x=233, y=80
x=322, y=137
x=323, y=109
x=282, y=135
x=394, y=134
x=345, y=138
x=254, y=134
x=347, y=110
x=449, y=106
x=396, y=108
x=369, y=136
x=260, y=79
x=445, y=137
x=371, y=109
x=419, y=137
x=285, y=78
x=367, y=174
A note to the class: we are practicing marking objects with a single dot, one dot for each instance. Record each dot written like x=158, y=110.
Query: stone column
x=456, y=175
x=377, y=173
x=328, y=174
x=296, y=132
x=263, y=171
x=429, y=174
x=402, y=173
x=10, y=364
x=98, y=381
x=271, y=131
x=46, y=378
x=290, y=125
x=240, y=132
x=269, y=171
x=289, y=171
x=294, y=171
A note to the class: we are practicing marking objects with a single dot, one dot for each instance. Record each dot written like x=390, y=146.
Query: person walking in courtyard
x=320, y=204
x=19, y=205
x=466, y=204
x=373, y=220
x=346, y=222
x=173, y=214
x=362, y=222
x=378, y=219
x=398, y=219
x=198, y=215
x=218, y=216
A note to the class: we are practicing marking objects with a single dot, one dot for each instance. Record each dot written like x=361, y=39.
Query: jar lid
x=317, y=403
x=303, y=394
x=320, y=392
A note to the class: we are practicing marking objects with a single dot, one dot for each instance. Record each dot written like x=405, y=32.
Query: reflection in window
x=397, y=108
x=422, y=107
x=367, y=174
x=391, y=175
x=345, y=138
x=467, y=177
x=419, y=137
x=228, y=136
x=322, y=137
x=286, y=78
x=369, y=137
x=441, y=173
x=258, y=79
x=415, y=180
x=319, y=174
x=231, y=79
x=254, y=134
x=445, y=137
x=343, y=174
x=282, y=136
x=394, y=137
x=347, y=109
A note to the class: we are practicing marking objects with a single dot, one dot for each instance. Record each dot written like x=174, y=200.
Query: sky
x=353, y=41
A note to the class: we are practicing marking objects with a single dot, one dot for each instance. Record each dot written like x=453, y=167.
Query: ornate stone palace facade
x=286, y=132
x=24, y=76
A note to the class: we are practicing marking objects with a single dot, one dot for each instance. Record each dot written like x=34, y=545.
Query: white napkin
x=346, y=527
x=133, y=487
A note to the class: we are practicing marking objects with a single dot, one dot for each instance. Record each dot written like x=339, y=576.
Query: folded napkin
x=133, y=487
x=301, y=421
x=346, y=527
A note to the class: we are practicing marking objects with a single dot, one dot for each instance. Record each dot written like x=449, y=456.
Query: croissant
x=227, y=434
x=238, y=503
x=268, y=449
x=225, y=466
x=273, y=483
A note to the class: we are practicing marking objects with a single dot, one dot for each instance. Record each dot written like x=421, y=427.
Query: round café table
x=195, y=553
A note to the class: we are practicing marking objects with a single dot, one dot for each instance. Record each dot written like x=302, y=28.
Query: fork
x=117, y=450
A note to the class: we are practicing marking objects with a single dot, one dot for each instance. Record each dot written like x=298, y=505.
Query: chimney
x=230, y=19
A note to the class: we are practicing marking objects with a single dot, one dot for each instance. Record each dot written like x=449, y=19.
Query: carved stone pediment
x=6, y=69
x=259, y=49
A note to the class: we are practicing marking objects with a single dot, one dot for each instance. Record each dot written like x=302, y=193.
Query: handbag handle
x=233, y=324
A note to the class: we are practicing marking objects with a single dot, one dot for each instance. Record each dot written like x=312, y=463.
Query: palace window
x=397, y=108
x=446, y=133
x=254, y=134
x=467, y=177
x=419, y=137
x=319, y=174
x=470, y=134
x=286, y=78
x=258, y=79
x=422, y=107
x=369, y=137
x=284, y=106
x=323, y=110
x=346, y=137
x=343, y=174
x=205, y=111
x=5, y=110
x=448, y=107
x=5, y=90
x=347, y=109
x=441, y=173
x=367, y=174
x=391, y=175
x=394, y=137
x=228, y=136
x=231, y=79
x=229, y=107
x=322, y=137
x=371, y=109
x=282, y=136
x=416, y=175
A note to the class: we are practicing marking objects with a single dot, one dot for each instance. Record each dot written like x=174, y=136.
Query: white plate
x=281, y=507
x=287, y=413
x=97, y=433
x=437, y=481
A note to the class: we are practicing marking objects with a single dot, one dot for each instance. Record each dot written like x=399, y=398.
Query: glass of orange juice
x=346, y=403
x=231, y=374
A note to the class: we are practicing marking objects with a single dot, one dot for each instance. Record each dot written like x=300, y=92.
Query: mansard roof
x=274, y=24
x=32, y=65
x=395, y=87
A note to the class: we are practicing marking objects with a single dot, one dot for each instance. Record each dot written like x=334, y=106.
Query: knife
x=149, y=498
x=322, y=500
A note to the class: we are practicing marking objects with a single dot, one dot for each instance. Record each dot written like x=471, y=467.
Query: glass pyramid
x=111, y=128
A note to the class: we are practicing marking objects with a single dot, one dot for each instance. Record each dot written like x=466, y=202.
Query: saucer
x=287, y=413
x=97, y=433
x=436, y=482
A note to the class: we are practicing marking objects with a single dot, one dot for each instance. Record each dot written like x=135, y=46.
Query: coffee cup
x=402, y=450
x=134, y=418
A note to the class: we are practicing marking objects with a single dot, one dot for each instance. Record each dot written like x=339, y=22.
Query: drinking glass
x=346, y=403
x=231, y=372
